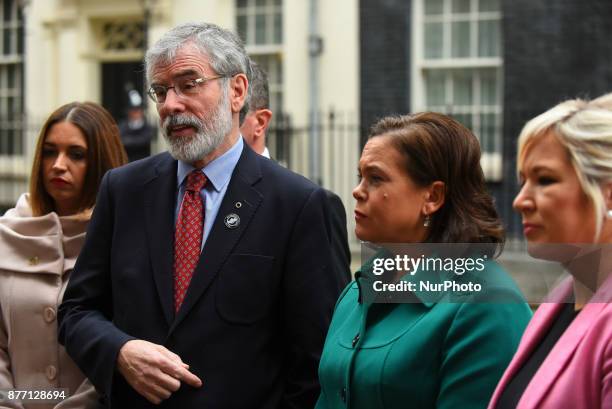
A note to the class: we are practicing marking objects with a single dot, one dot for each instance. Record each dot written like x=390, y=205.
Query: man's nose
x=172, y=104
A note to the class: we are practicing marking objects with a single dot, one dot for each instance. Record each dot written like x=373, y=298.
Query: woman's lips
x=59, y=182
x=359, y=215
x=529, y=228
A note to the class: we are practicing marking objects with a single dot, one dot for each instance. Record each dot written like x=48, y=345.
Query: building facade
x=491, y=64
x=334, y=68
x=65, y=50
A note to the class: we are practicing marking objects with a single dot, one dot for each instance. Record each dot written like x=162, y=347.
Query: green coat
x=422, y=354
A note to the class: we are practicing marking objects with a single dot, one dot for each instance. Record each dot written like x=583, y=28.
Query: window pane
x=241, y=23
x=7, y=8
x=461, y=6
x=260, y=29
x=260, y=2
x=434, y=83
x=278, y=28
x=10, y=108
x=10, y=135
x=488, y=5
x=11, y=76
x=465, y=119
x=462, y=88
x=6, y=44
x=487, y=132
x=278, y=2
x=20, y=40
x=433, y=40
x=433, y=7
x=460, y=39
x=18, y=142
x=278, y=67
x=241, y=3
x=488, y=87
x=488, y=38
x=3, y=144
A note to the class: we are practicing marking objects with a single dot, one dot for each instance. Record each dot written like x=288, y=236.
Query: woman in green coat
x=421, y=182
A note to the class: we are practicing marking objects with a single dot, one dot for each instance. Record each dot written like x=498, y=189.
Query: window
x=272, y=65
x=260, y=25
x=458, y=68
x=11, y=79
x=260, y=21
x=120, y=36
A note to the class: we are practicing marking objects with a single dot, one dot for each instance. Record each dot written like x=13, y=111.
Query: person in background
x=206, y=278
x=254, y=125
x=565, y=171
x=39, y=242
x=136, y=133
x=421, y=182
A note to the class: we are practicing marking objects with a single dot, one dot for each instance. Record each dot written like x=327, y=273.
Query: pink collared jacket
x=577, y=373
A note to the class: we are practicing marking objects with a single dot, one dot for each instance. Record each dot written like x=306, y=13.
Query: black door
x=118, y=78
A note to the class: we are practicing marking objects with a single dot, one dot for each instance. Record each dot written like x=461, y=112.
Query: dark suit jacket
x=256, y=313
x=341, y=253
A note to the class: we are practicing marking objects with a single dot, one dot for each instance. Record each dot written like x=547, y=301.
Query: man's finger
x=151, y=398
x=159, y=391
x=189, y=378
x=169, y=382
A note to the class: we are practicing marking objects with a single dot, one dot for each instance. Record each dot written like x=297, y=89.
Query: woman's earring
x=609, y=214
x=427, y=221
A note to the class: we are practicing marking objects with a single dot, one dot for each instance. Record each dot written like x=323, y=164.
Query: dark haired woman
x=40, y=240
x=421, y=182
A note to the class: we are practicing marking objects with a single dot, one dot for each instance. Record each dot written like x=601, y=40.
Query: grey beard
x=210, y=133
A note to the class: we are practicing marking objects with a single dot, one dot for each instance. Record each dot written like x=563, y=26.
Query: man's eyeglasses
x=182, y=88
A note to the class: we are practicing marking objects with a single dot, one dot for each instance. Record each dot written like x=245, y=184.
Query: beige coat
x=36, y=257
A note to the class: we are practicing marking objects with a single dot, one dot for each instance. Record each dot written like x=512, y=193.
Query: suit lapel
x=222, y=239
x=160, y=200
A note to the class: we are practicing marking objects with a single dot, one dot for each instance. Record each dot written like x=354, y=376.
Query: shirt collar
x=266, y=153
x=219, y=171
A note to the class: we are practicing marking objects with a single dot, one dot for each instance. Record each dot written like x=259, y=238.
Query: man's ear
x=239, y=85
x=263, y=117
x=434, y=197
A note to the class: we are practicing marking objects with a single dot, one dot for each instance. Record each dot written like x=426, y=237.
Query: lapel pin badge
x=232, y=221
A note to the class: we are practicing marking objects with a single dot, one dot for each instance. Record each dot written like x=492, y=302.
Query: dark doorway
x=117, y=80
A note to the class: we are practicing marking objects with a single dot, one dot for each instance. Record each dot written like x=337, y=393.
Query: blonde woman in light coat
x=40, y=240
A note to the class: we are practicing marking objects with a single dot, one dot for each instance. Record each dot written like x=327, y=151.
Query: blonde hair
x=584, y=128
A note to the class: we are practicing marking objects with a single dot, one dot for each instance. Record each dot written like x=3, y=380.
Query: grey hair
x=223, y=49
x=259, y=93
x=584, y=128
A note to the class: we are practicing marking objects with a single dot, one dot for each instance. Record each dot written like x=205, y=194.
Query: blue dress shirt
x=218, y=172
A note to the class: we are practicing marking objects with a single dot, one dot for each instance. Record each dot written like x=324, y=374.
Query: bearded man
x=206, y=277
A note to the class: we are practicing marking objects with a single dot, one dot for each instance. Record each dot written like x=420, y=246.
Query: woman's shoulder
x=348, y=296
x=21, y=210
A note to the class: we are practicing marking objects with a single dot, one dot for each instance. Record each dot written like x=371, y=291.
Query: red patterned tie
x=188, y=235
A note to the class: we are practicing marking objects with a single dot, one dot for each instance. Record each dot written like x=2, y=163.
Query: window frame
x=12, y=121
x=491, y=160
